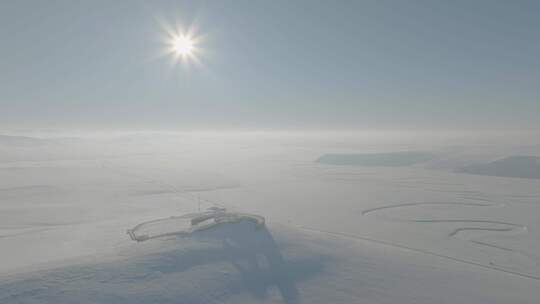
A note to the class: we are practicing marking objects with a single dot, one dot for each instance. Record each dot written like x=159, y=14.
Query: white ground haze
x=415, y=233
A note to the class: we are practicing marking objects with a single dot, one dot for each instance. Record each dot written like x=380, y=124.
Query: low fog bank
x=376, y=159
x=462, y=152
x=359, y=141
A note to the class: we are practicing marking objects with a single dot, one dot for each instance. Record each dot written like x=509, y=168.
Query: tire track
x=367, y=211
x=467, y=233
x=492, y=267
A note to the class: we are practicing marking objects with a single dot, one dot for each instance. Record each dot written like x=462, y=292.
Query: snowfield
x=392, y=222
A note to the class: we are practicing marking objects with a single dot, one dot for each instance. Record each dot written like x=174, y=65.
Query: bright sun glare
x=183, y=45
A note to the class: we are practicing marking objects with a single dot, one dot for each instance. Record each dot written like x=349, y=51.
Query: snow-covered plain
x=419, y=232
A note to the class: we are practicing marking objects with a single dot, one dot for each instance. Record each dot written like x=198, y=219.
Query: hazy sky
x=271, y=64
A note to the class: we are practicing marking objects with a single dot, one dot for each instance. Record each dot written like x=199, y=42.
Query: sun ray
x=181, y=44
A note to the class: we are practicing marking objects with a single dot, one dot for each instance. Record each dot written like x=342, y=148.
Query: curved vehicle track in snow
x=419, y=250
x=470, y=230
x=460, y=232
x=483, y=204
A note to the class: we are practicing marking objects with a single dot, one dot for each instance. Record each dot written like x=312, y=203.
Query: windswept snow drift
x=240, y=263
x=231, y=259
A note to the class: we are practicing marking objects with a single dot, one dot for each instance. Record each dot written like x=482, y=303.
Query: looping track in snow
x=367, y=211
x=418, y=250
x=481, y=225
x=468, y=232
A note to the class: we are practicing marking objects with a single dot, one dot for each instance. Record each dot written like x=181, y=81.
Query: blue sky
x=272, y=64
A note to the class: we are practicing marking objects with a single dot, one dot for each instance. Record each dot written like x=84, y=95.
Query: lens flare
x=181, y=45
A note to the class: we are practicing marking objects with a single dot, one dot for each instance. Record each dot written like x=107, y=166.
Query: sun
x=182, y=45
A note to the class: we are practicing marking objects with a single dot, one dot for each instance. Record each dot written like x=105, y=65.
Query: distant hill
x=392, y=159
x=513, y=166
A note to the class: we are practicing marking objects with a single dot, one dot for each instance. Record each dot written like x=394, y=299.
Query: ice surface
x=333, y=234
